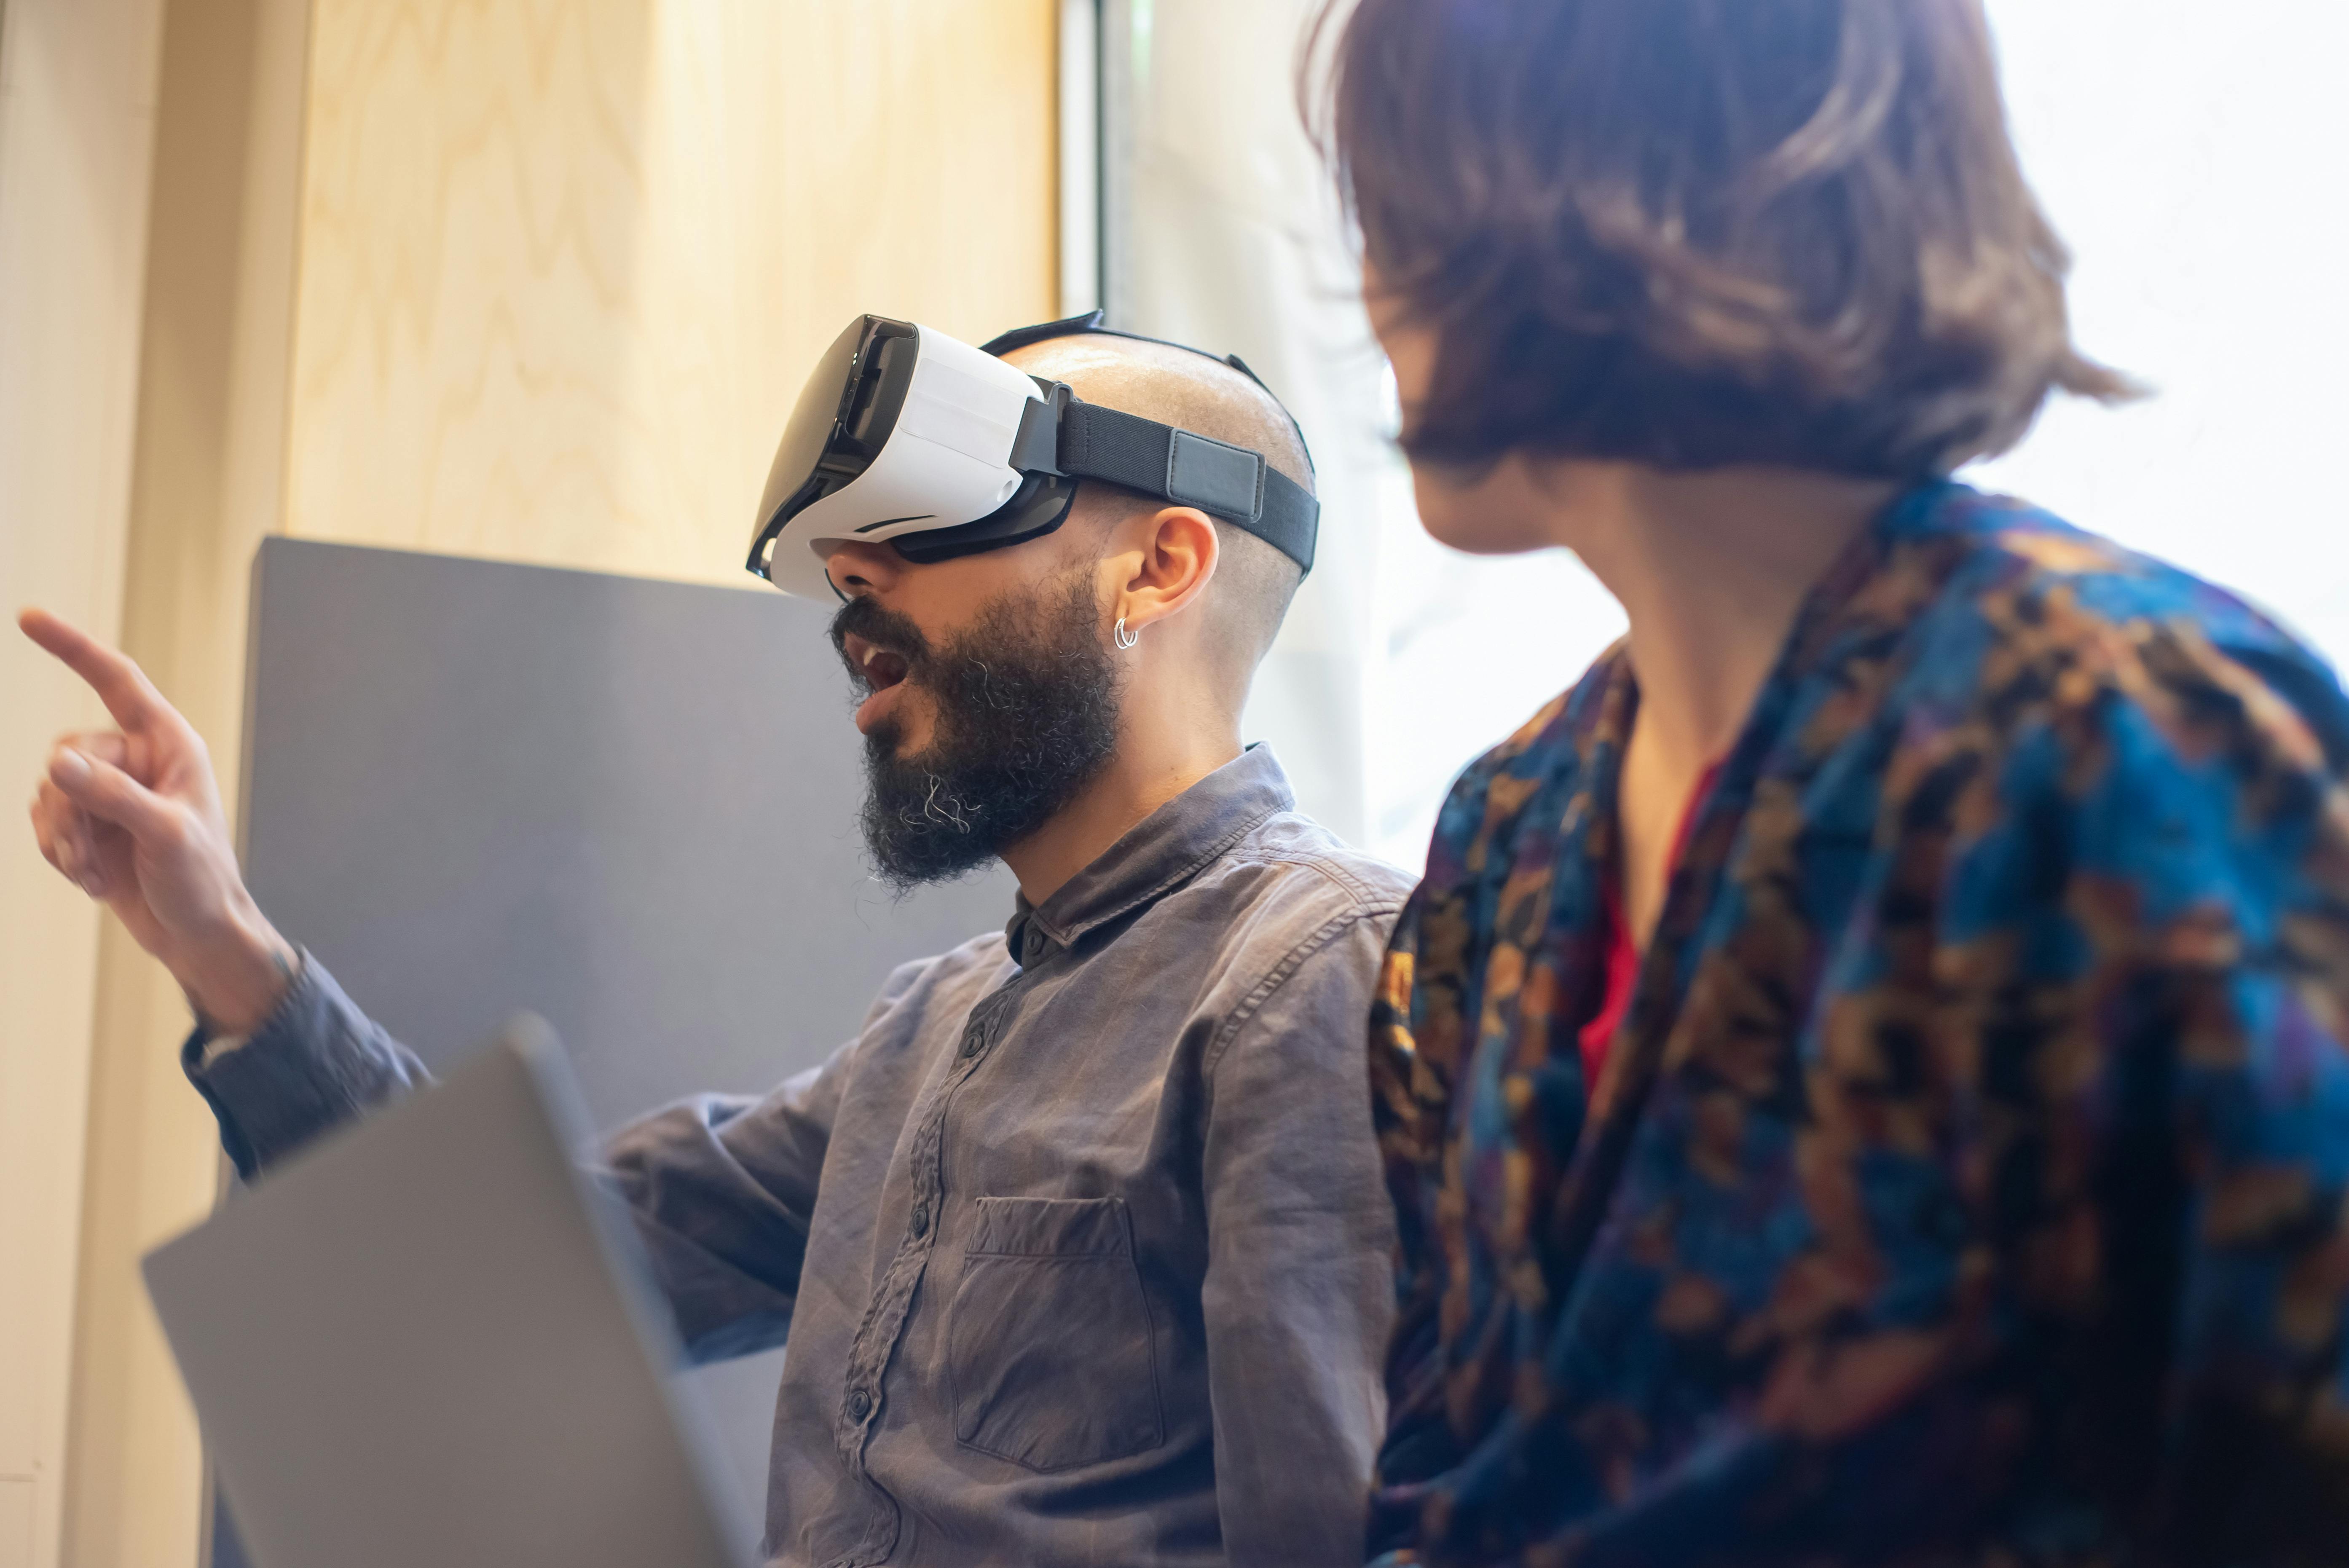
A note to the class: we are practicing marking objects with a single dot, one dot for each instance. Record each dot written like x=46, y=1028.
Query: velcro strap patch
x=1215, y=476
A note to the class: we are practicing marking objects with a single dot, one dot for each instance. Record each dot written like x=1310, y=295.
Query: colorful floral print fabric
x=1970, y=1180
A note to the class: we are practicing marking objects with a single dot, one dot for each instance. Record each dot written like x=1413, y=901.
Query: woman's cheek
x=1486, y=514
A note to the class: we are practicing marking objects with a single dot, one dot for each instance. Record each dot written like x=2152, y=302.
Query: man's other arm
x=1299, y=1290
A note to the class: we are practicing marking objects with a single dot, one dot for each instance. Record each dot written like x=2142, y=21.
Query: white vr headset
x=906, y=436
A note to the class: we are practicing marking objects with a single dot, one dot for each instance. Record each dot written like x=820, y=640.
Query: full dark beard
x=1027, y=704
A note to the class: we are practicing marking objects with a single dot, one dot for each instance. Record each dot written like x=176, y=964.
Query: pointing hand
x=133, y=816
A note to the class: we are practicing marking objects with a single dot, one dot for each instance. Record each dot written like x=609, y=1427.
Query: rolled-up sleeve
x=1298, y=1296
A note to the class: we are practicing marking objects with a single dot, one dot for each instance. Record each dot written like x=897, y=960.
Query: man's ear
x=1165, y=560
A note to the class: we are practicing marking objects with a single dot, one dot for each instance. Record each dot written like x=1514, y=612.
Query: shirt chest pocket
x=1052, y=1358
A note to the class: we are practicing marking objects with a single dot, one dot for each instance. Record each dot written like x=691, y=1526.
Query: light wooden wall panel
x=208, y=456
x=77, y=123
x=565, y=262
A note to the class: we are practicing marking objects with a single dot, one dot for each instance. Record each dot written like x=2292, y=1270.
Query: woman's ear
x=1172, y=554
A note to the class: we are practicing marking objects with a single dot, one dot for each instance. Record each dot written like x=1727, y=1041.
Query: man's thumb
x=107, y=792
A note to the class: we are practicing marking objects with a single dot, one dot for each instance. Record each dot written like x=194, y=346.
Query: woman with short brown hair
x=1863, y=1080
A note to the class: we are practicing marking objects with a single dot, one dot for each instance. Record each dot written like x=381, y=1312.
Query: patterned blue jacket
x=1970, y=1180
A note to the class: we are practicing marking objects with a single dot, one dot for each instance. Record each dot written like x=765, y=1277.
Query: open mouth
x=880, y=667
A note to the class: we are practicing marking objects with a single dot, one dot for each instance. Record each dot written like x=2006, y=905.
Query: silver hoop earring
x=1126, y=639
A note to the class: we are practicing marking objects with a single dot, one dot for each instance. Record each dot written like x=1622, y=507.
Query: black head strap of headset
x=1086, y=440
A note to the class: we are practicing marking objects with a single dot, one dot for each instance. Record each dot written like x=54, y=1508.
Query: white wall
x=76, y=102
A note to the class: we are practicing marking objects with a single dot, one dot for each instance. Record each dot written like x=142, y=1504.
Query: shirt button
x=921, y=1220
x=860, y=1405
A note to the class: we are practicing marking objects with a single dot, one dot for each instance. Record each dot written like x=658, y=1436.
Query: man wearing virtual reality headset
x=1080, y=1246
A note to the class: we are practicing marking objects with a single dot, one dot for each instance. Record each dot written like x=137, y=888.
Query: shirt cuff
x=307, y=1067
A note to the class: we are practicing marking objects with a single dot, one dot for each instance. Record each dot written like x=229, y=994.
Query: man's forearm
x=243, y=974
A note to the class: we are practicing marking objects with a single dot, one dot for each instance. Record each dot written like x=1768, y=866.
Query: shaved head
x=1254, y=581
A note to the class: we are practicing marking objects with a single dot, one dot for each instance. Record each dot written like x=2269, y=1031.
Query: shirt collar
x=1157, y=854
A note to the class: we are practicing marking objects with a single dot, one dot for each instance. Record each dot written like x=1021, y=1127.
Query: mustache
x=868, y=618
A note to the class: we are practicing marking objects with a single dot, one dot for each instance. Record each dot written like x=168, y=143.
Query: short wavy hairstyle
x=1699, y=232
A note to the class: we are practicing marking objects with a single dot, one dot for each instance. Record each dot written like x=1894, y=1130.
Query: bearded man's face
x=1023, y=702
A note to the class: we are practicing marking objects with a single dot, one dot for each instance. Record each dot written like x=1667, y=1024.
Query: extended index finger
x=119, y=683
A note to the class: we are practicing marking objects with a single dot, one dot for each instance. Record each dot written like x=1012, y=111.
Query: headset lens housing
x=843, y=419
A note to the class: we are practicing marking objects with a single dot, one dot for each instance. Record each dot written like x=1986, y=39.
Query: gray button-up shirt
x=1080, y=1245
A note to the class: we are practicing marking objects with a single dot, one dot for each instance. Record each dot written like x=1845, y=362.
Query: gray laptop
x=427, y=1340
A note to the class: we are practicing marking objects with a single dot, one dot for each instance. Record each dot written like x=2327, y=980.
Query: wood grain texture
x=76, y=140
x=565, y=262
x=206, y=457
